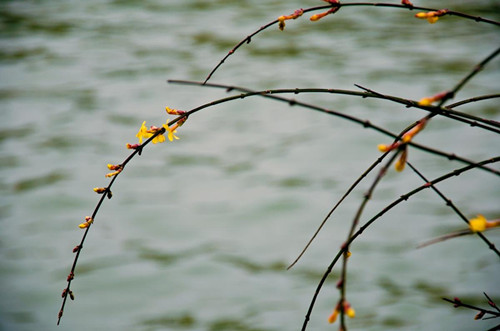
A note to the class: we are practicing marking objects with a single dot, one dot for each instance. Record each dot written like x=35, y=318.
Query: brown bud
x=479, y=315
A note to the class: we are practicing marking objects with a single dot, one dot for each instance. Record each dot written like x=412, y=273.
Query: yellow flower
x=319, y=16
x=88, y=220
x=114, y=166
x=478, y=224
x=296, y=14
x=383, y=148
x=99, y=190
x=429, y=100
x=432, y=16
x=171, y=135
x=143, y=132
x=350, y=312
x=387, y=148
x=400, y=163
x=281, y=24
x=172, y=130
x=408, y=136
x=425, y=102
x=158, y=139
x=432, y=19
x=333, y=317
x=114, y=173
x=174, y=111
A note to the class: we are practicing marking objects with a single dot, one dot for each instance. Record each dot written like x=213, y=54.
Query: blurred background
x=200, y=231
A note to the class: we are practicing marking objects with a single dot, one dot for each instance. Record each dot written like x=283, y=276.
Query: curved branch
x=292, y=102
x=248, y=38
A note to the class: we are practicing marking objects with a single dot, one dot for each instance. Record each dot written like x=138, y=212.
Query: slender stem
x=351, y=188
x=474, y=99
x=461, y=304
x=474, y=72
x=354, y=224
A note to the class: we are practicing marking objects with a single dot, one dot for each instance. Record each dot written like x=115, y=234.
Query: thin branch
x=293, y=102
x=474, y=72
x=351, y=188
x=248, y=38
x=366, y=197
x=474, y=99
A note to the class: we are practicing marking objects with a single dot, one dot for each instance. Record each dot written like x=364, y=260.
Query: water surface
x=199, y=232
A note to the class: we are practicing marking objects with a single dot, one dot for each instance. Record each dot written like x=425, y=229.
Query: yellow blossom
x=432, y=16
x=296, y=14
x=114, y=173
x=143, y=132
x=153, y=130
x=383, y=148
x=172, y=130
x=432, y=19
x=387, y=148
x=333, y=317
x=350, y=312
x=114, y=166
x=88, y=220
x=408, y=136
x=172, y=111
x=99, y=190
x=478, y=224
x=158, y=139
x=425, y=102
x=429, y=100
x=319, y=16
x=400, y=164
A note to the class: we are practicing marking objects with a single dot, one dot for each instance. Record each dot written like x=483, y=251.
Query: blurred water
x=199, y=232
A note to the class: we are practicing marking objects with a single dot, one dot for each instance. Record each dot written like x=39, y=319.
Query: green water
x=199, y=232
